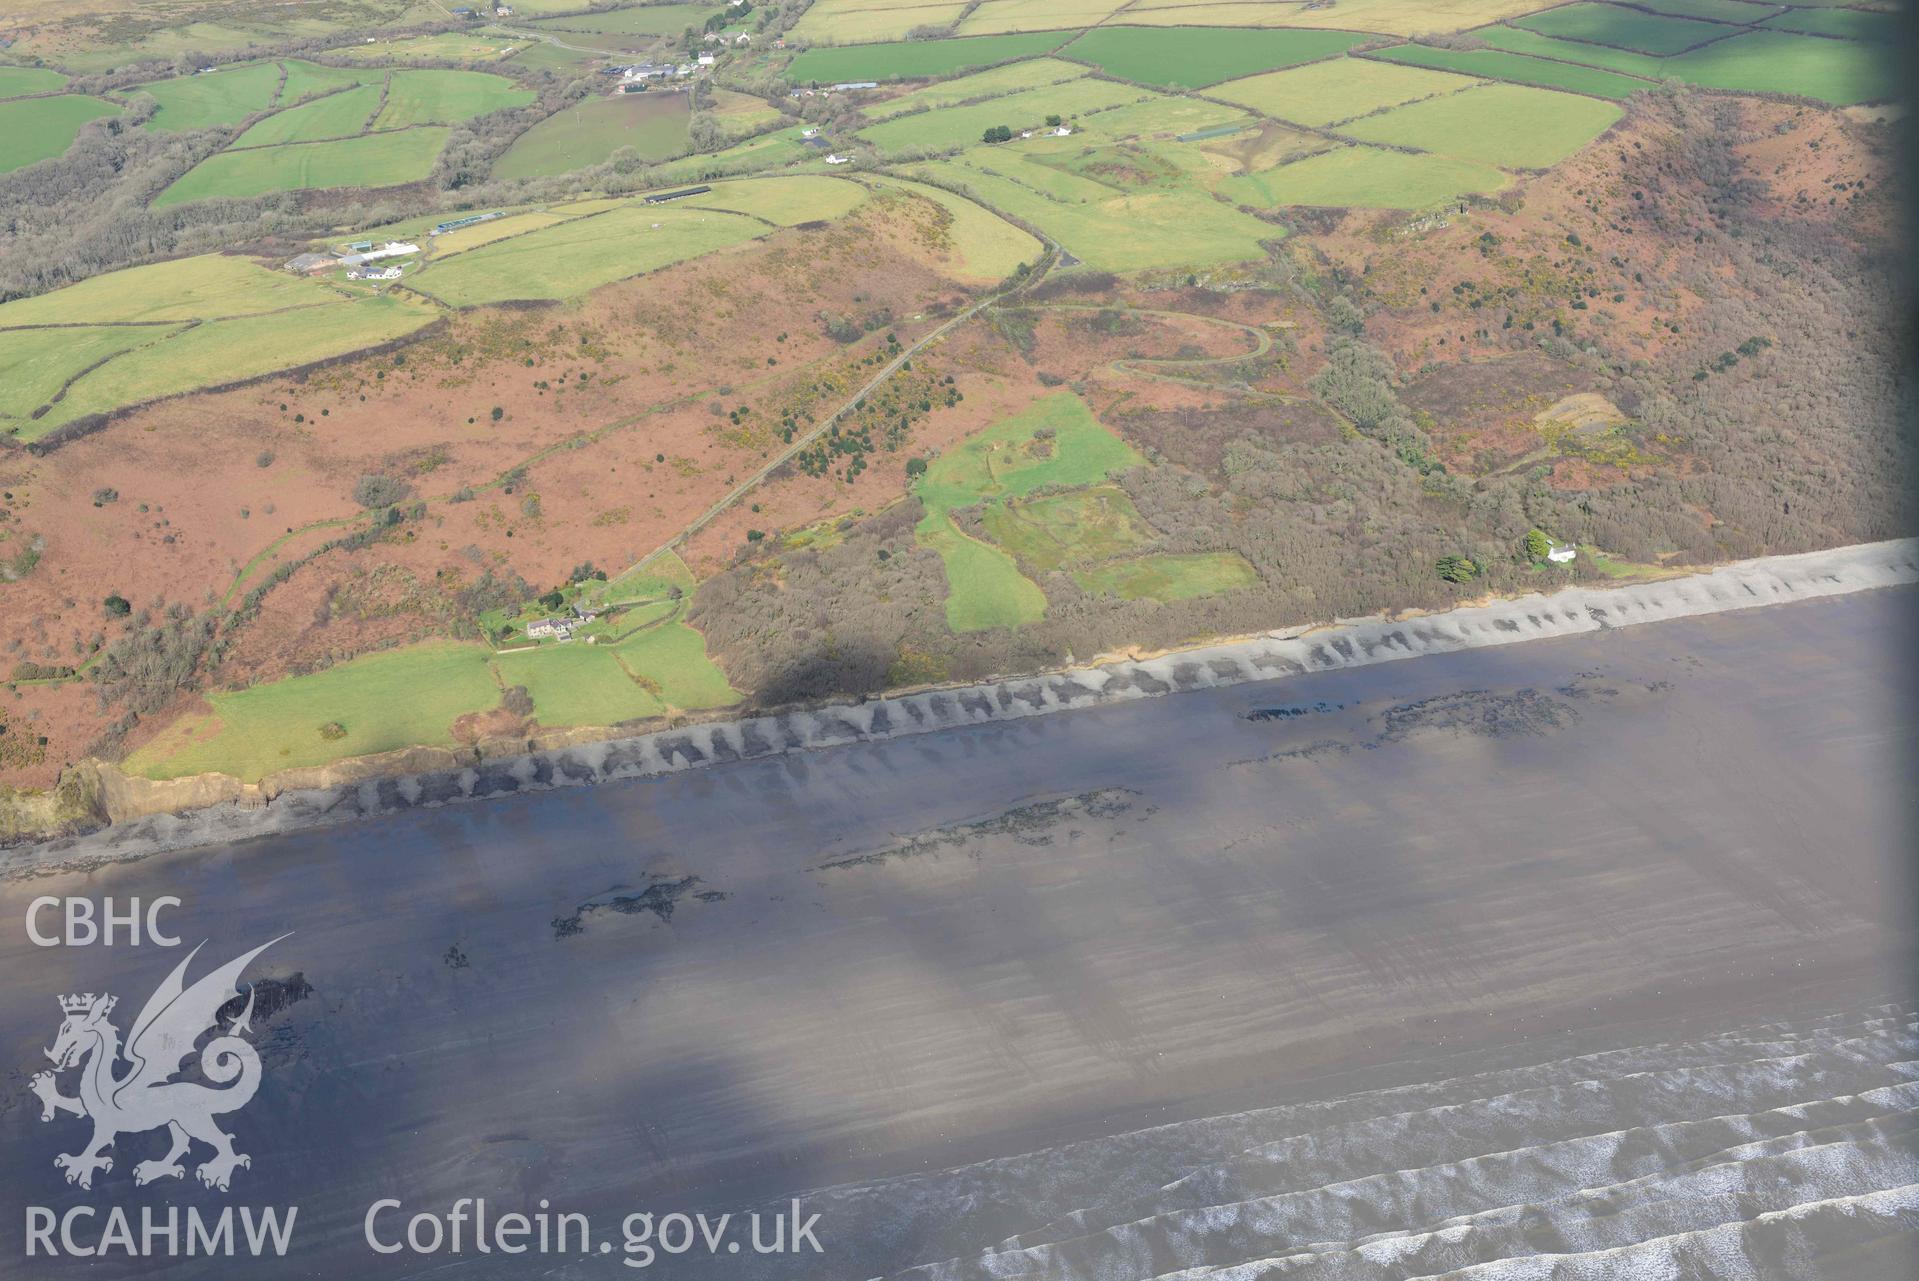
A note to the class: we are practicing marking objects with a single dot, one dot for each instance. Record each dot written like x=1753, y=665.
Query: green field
x=1054, y=441
x=1848, y=24
x=1624, y=28
x=577, y=685
x=1158, y=116
x=915, y=59
x=1107, y=228
x=1169, y=577
x=15, y=81
x=338, y=115
x=254, y=321
x=1036, y=15
x=223, y=97
x=992, y=83
x=671, y=658
x=1337, y=89
x=202, y=288
x=574, y=257
x=952, y=127
x=36, y=363
x=1364, y=178
x=785, y=202
x=35, y=129
x=304, y=79
x=372, y=160
x=1508, y=125
x=1517, y=68
x=649, y=20
x=1077, y=527
x=226, y=351
x=1194, y=57
x=450, y=46
x=767, y=151
x=435, y=97
x=587, y=133
x=402, y=698
x=1735, y=11
x=1841, y=72
x=859, y=21
x=980, y=246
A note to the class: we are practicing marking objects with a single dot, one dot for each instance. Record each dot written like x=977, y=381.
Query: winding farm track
x=800, y=443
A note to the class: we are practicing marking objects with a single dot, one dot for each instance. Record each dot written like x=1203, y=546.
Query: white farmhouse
x=1561, y=553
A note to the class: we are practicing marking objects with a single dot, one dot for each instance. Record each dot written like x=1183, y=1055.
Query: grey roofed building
x=306, y=263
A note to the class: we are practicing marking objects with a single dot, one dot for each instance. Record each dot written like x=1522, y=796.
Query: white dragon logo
x=173, y=1018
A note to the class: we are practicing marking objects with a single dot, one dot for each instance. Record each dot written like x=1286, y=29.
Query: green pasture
x=401, y=698
x=1848, y=24
x=36, y=363
x=767, y=151
x=1517, y=68
x=647, y=20
x=1840, y=72
x=449, y=46
x=1740, y=12
x=1364, y=178
x=15, y=81
x=1324, y=93
x=1509, y=125
x=1036, y=15
x=439, y=97
x=225, y=351
x=589, y=132
x=1077, y=527
x=670, y=659
x=35, y=129
x=915, y=59
x=1624, y=28
x=371, y=160
x=960, y=126
x=341, y=114
x=1161, y=115
x=993, y=83
x=1108, y=229
x=861, y=21
x=304, y=79
x=577, y=684
x=1194, y=57
x=785, y=201
x=200, y=288
x=223, y=97
x=1169, y=576
x=567, y=260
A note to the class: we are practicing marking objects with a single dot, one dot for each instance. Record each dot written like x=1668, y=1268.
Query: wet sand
x=1271, y=905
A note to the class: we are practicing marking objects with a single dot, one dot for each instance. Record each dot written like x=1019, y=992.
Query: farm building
x=839, y=160
x=374, y=273
x=454, y=224
x=661, y=197
x=550, y=629
x=858, y=84
x=1559, y=555
x=306, y=264
x=648, y=71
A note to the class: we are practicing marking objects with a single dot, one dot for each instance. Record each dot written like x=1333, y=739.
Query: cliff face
x=213, y=808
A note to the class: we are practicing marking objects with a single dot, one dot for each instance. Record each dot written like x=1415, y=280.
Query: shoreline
x=1573, y=611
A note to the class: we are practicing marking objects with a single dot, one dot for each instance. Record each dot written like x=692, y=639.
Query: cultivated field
x=1509, y=125
x=916, y=59
x=960, y=126
x=171, y=328
x=783, y=201
x=1841, y=72
x=1194, y=57
x=588, y=132
x=1623, y=28
x=647, y=20
x=1365, y=178
x=371, y=160
x=1338, y=89
x=994, y=16
x=568, y=260
x=1014, y=77
x=33, y=129
x=15, y=81
x=1517, y=68
x=858, y=21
